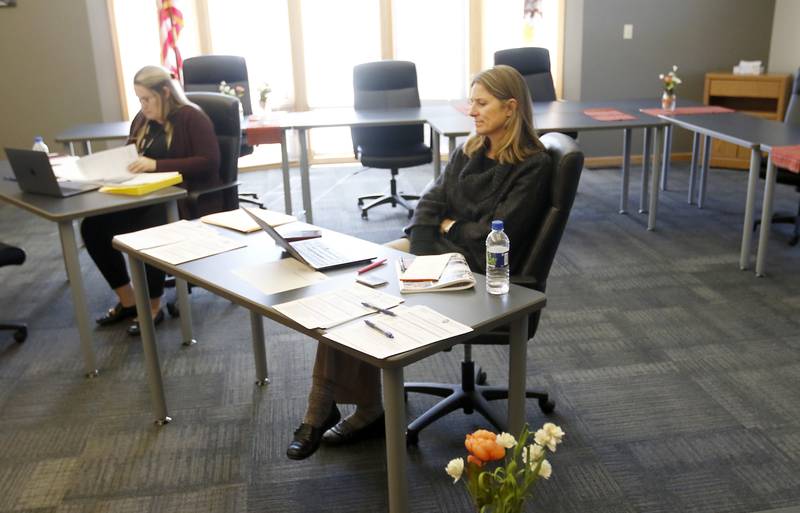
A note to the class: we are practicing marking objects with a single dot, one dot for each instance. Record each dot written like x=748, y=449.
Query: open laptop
x=315, y=253
x=35, y=175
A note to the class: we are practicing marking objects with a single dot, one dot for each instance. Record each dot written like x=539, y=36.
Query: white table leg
x=305, y=182
x=626, y=170
x=665, y=163
x=766, y=218
x=287, y=183
x=436, y=141
x=701, y=192
x=646, y=153
x=749, y=207
x=395, y=439
x=693, y=167
x=259, y=348
x=69, y=249
x=651, y=217
x=517, y=363
x=182, y=289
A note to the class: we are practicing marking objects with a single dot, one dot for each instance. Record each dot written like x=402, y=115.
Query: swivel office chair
x=534, y=66
x=473, y=394
x=12, y=255
x=784, y=176
x=380, y=85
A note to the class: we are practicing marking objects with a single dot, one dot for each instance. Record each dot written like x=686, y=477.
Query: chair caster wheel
x=173, y=310
x=21, y=335
x=547, y=405
x=360, y=203
x=480, y=379
x=364, y=215
x=412, y=438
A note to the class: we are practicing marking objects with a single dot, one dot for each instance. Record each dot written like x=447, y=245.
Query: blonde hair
x=156, y=78
x=519, y=140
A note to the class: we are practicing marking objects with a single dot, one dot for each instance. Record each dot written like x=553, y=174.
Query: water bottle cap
x=38, y=138
x=497, y=225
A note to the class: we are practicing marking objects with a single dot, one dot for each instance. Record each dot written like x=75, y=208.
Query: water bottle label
x=497, y=259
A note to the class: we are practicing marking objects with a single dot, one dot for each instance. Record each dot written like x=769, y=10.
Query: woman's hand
x=142, y=165
x=445, y=226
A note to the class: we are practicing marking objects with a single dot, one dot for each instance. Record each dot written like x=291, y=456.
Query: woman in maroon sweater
x=171, y=134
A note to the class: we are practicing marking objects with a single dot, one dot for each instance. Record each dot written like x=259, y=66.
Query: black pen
x=402, y=265
x=386, y=333
x=381, y=310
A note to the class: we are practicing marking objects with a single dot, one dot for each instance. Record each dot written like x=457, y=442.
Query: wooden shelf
x=764, y=96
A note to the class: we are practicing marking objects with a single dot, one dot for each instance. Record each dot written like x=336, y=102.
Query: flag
x=170, y=21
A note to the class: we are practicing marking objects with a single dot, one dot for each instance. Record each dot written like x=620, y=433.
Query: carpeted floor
x=676, y=376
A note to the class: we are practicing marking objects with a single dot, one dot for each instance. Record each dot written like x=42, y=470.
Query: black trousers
x=97, y=232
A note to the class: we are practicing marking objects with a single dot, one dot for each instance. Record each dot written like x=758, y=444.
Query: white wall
x=784, y=50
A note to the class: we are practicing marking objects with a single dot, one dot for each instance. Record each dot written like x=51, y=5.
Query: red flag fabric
x=170, y=22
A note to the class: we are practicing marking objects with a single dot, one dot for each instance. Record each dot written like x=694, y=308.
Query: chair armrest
x=192, y=196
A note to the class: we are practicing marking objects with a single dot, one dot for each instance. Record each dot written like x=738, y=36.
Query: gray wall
x=698, y=36
x=784, y=52
x=50, y=77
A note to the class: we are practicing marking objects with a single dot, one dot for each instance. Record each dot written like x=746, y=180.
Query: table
x=754, y=133
x=473, y=307
x=63, y=211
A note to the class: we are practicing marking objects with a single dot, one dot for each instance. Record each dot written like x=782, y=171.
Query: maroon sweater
x=193, y=151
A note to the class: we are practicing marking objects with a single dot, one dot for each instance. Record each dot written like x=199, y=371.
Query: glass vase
x=668, y=100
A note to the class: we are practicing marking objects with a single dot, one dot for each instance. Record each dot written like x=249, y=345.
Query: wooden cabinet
x=758, y=95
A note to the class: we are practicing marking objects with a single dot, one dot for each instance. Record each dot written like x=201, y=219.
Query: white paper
x=164, y=234
x=285, y=274
x=102, y=167
x=331, y=308
x=240, y=221
x=193, y=249
x=411, y=328
x=426, y=268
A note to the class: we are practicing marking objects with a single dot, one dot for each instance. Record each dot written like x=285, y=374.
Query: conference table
x=474, y=307
x=756, y=134
x=63, y=211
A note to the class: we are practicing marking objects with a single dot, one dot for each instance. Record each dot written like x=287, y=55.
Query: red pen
x=372, y=266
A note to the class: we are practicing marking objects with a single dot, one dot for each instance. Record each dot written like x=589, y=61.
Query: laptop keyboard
x=319, y=254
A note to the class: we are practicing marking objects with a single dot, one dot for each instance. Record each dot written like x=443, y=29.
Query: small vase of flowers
x=669, y=81
x=263, y=96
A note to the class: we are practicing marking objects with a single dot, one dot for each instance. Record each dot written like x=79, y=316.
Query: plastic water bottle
x=39, y=145
x=497, y=247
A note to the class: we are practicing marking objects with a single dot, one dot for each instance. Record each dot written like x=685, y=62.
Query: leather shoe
x=133, y=329
x=307, y=437
x=116, y=314
x=344, y=432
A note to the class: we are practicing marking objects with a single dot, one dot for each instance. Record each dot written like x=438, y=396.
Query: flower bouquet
x=235, y=91
x=669, y=81
x=504, y=489
x=263, y=95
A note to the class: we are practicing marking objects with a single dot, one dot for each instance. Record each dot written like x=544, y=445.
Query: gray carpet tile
x=674, y=373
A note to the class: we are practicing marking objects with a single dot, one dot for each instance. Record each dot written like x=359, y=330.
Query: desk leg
x=70, y=147
x=148, y=334
x=259, y=348
x=626, y=170
x=701, y=192
x=436, y=141
x=305, y=183
x=87, y=147
x=747, y=229
x=693, y=167
x=451, y=144
x=69, y=248
x=287, y=183
x=517, y=364
x=646, y=152
x=182, y=289
x=665, y=163
x=766, y=218
x=651, y=217
x=395, y=439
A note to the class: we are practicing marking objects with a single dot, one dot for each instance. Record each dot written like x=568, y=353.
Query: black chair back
x=203, y=73
x=224, y=113
x=534, y=66
x=792, y=116
x=381, y=85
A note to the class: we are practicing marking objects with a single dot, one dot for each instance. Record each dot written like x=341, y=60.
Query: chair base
x=394, y=197
x=20, y=331
x=472, y=394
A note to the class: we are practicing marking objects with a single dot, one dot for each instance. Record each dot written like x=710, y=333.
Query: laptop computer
x=315, y=253
x=35, y=175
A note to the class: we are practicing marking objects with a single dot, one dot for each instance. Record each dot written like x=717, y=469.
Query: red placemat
x=261, y=132
x=462, y=107
x=681, y=111
x=608, y=114
x=787, y=157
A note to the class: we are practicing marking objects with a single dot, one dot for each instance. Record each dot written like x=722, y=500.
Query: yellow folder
x=144, y=183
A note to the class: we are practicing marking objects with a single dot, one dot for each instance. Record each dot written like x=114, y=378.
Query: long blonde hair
x=519, y=140
x=156, y=78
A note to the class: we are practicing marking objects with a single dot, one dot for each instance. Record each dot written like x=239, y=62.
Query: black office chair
x=12, y=255
x=534, y=66
x=380, y=85
x=473, y=394
x=784, y=176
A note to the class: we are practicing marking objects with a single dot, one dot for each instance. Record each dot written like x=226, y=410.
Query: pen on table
x=386, y=333
x=372, y=266
x=381, y=310
x=402, y=265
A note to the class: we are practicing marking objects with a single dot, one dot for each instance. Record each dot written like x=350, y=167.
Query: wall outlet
x=627, y=31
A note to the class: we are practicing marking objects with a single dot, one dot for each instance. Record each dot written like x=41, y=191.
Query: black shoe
x=307, y=437
x=133, y=329
x=344, y=432
x=116, y=314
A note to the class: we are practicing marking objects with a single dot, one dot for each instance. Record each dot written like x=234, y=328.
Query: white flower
x=532, y=454
x=549, y=436
x=674, y=67
x=661, y=76
x=506, y=440
x=455, y=468
x=546, y=469
x=554, y=431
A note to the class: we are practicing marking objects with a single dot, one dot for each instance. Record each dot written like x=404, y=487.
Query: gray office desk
x=63, y=211
x=474, y=307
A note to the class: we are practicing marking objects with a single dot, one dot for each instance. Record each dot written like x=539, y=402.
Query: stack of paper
x=240, y=221
x=332, y=308
x=426, y=268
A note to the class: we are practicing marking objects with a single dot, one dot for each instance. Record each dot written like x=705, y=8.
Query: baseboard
x=603, y=162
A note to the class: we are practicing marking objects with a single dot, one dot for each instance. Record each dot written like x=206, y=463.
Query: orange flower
x=473, y=459
x=483, y=446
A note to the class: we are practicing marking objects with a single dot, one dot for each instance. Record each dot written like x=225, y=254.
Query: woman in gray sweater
x=501, y=172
